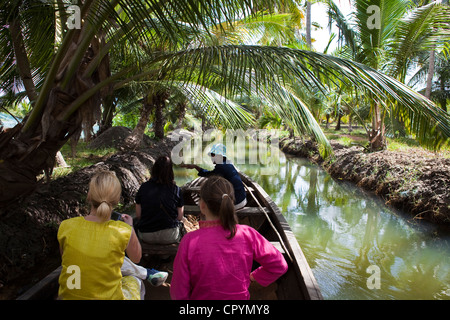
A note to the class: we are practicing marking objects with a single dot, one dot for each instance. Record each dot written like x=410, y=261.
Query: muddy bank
x=28, y=229
x=415, y=182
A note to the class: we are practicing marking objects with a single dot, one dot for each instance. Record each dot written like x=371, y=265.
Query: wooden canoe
x=262, y=214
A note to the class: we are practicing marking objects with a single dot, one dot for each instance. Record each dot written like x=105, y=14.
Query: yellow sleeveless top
x=92, y=256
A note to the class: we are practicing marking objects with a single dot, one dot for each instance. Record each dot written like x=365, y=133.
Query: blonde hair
x=104, y=193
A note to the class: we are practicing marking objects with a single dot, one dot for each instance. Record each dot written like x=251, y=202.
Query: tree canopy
x=73, y=61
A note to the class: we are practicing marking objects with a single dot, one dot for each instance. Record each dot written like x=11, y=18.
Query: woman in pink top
x=215, y=262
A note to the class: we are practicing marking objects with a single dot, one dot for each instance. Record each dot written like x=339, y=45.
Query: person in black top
x=224, y=169
x=159, y=205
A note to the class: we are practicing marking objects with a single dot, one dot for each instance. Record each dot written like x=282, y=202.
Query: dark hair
x=162, y=171
x=218, y=194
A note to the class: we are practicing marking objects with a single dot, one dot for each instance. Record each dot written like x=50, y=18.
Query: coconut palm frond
x=422, y=30
x=376, y=22
x=260, y=67
x=219, y=110
x=296, y=113
x=152, y=33
x=346, y=34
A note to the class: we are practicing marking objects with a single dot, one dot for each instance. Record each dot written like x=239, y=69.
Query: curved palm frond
x=260, y=67
x=376, y=22
x=267, y=71
x=424, y=29
x=219, y=110
x=32, y=23
x=347, y=35
x=273, y=29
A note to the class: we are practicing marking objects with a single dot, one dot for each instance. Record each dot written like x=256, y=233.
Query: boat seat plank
x=192, y=209
x=171, y=249
x=246, y=211
x=191, y=189
x=250, y=211
x=159, y=249
x=197, y=189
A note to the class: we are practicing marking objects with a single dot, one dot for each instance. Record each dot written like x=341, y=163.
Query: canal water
x=358, y=248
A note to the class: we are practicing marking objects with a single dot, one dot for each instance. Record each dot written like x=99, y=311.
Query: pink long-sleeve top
x=208, y=266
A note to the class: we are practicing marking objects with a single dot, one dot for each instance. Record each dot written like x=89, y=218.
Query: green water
x=342, y=231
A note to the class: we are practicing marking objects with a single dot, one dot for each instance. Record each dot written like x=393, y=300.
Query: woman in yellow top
x=93, y=248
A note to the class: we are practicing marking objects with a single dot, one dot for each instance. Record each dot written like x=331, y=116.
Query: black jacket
x=159, y=205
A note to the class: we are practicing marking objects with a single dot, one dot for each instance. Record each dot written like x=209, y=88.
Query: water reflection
x=343, y=231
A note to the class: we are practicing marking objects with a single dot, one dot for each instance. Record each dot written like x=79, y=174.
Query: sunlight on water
x=343, y=231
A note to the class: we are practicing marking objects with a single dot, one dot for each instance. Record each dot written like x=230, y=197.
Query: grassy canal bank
x=405, y=176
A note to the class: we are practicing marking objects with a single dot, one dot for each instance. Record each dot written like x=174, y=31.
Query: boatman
x=225, y=169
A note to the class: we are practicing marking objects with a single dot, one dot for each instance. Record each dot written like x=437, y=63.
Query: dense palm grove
x=70, y=66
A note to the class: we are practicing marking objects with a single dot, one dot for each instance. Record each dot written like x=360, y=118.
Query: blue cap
x=219, y=149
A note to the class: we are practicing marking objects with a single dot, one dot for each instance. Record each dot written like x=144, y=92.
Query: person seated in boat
x=215, y=261
x=160, y=206
x=93, y=248
x=225, y=169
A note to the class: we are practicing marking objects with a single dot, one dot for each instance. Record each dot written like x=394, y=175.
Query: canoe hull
x=261, y=213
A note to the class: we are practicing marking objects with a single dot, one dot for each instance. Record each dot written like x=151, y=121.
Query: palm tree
x=391, y=47
x=440, y=89
x=66, y=74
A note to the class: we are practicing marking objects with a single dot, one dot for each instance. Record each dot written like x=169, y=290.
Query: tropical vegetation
x=223, y=62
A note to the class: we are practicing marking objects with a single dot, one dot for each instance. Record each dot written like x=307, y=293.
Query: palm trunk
x=340, y=114
x=443, y=101
x=430, y=74
x=338, y=124
x=159, y=103
x=350, y=126
x=377, y=138
x=134, y=140
x=181, y=114
x=150, y=103
x=159, y=121
x=308, y=25
x=31, y=147
x=109, y=107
